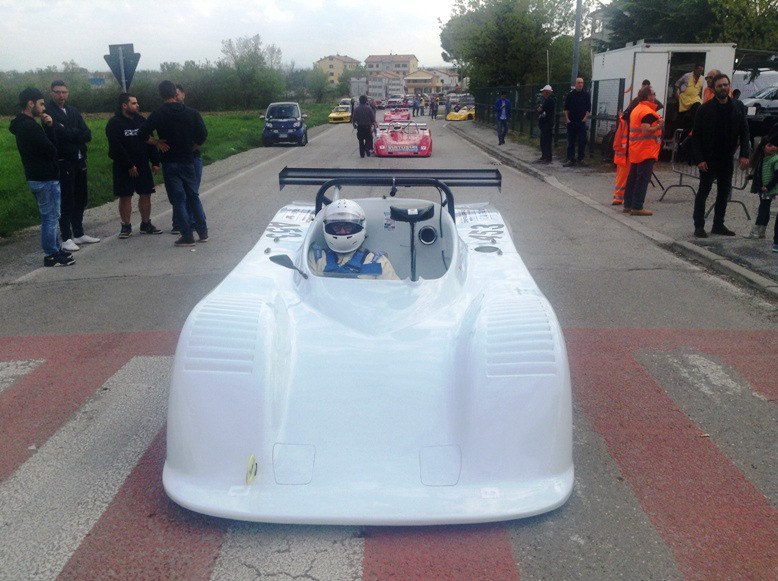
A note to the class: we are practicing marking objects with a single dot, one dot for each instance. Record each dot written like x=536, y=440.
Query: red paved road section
x=74, y=368
x=717, y=523
x=471, y=553
x=143, y=535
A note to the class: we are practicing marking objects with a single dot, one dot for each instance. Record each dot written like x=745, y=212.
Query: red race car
x=397, y=114
x=407, y=139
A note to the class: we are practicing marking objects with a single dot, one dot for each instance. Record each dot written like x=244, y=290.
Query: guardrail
x=686, y=168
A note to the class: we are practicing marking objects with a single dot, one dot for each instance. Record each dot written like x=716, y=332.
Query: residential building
x=335, y=65
x=402, y=64
x=449, y=78
x=378, y=86
x=423, y=81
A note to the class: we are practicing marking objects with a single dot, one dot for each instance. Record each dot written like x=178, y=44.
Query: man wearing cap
x=502, y=109
x=546, y=110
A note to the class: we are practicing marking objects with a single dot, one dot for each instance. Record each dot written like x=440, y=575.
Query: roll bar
x=442, y=179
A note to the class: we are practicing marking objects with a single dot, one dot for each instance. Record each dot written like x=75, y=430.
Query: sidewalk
x=749, y=261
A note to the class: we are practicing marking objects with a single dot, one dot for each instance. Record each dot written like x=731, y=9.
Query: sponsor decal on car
x=398, y=148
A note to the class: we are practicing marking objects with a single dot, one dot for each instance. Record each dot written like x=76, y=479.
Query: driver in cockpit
x=344, y=232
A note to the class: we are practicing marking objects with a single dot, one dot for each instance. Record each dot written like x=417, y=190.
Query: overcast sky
x=36, y=34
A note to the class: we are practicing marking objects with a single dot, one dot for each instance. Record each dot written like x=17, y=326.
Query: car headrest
x=411, y=215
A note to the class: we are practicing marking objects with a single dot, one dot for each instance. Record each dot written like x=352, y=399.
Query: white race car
x=442, y=397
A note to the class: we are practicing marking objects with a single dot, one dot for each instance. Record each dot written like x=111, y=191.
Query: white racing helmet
x=344, y=226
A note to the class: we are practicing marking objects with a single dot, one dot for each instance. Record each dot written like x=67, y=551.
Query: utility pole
x=576, y=43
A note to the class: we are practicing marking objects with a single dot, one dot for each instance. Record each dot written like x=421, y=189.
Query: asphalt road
x=674, y=392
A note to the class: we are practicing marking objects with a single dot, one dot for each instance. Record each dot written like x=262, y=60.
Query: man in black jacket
x=72, y=137
x=39, y=158
x=363, y=119
x=719, y=128
x=180, y=130
x=131, y=171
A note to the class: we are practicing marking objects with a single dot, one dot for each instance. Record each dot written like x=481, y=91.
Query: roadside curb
x=689, y=250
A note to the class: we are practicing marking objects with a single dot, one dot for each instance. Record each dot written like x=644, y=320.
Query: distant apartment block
x=335, y=65
x=402, y=64
x=378, y=86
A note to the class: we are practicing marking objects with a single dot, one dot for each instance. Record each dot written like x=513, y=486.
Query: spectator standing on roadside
x=620, y=151
x=415, y=110
x=131, y=158
x=198, y=161
x=764, y=163
x=422, y=104
x=448, y=105
x=39, y=158
x=72, y=137
x=709, y=92
x=645, y=142
x=502, y=110
x=578, y=105
x=434, y=108
x=546, y=115
x=180, y=129
x=363, y=119
x=688, y=91
x=719, y=128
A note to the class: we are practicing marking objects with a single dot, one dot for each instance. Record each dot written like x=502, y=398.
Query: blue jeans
x=48, y=196
x=502, y=129
x=183, y=192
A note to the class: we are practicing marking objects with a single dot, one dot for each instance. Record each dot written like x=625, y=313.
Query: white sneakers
x=69, y=245
x=85, y=239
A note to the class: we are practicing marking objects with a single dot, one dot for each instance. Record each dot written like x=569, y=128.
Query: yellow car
x=466, y=113
x=341, y=114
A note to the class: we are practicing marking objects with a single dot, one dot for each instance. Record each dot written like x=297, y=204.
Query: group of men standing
x=53, y=153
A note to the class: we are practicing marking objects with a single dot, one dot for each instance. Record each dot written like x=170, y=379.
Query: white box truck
x=618, y=74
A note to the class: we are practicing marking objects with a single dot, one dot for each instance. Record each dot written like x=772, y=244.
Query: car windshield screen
x=766, y=93
x=282, y=112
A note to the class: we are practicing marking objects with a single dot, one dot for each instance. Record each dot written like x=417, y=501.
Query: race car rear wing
x=442, y=179
x=389, y=125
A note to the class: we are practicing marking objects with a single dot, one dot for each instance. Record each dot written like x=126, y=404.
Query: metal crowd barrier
x=684, y=168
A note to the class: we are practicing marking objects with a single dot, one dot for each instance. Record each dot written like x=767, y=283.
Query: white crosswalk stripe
x=71, y=480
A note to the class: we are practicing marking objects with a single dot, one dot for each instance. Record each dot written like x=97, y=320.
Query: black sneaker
x=202, y=236
x=176, y=230
x=721, y=230
x=64, y=253
x=185, y=241
x=58, y=259
x=149, y=228
x=568, y=164
x=126, y=230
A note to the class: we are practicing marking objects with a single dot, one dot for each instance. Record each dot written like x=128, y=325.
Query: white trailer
x=662, y=64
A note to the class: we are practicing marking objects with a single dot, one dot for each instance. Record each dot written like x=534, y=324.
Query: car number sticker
x=399, y=148
x=486, y=231
x=283, y=230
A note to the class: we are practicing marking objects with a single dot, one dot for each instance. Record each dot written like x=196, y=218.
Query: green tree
x=344, y=81
x=748, y=23
x=258, y=82
x=318, y=85
x=502, y=42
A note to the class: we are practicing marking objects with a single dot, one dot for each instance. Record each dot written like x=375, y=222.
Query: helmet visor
x=342, y=228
